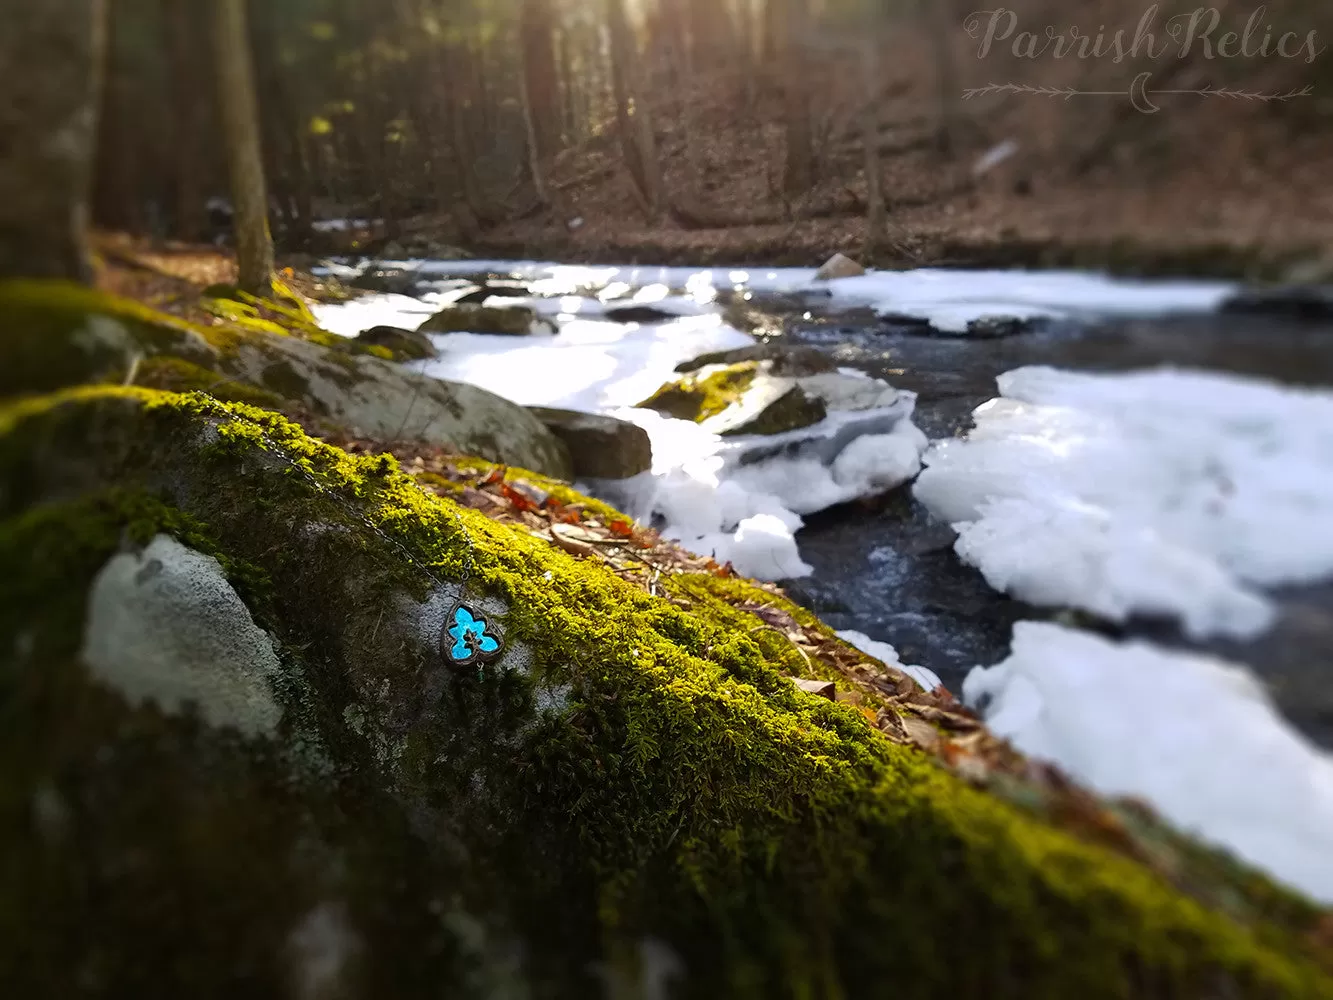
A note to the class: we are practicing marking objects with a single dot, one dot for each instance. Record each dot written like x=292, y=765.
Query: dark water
x=887, y=569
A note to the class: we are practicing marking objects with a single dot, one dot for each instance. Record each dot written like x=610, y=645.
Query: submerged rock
x=634, y=768
x=1312, y=303
x=600, y=447
x=512, y=321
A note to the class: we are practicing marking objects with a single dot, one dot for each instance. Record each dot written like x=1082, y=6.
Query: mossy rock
x=55, y=334
x=509, y=321
x=698, y=397
x=633, y=780
x=58, y=335
x=740, y=398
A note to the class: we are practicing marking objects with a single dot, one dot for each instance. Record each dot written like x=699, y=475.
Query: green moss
x=176, y=375
x=57, y=334
x=776, y=842
x=699, y=397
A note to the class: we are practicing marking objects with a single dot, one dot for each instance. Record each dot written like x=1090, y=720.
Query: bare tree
x=871, y=79
x=52, y=53
x=940, y=24
x=245, y=163
x=541, y=78
x=633, y=118
x=791, y=29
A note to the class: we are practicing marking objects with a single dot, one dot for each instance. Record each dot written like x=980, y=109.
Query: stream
x=883, y=565
x=887, y=569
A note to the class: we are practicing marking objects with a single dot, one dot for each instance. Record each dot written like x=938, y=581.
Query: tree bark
x=52, y=53
x=541, y=78
x=870, y=74
x=182, y=51
x=633, y=118
x=245, y=162
x=799, y=174
x=940, y=21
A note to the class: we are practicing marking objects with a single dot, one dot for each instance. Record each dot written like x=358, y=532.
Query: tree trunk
x=870, y=73
x=52, y=53
x=182, y=50
x=940, y=23
x=633, y=118
x=245, y=163
x=799, y=175
x=541, y=78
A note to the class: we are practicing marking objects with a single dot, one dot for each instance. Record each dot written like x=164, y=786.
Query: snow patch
x=926, y=679
x=1158, y=492
x=165, y=626
x=1194, y=736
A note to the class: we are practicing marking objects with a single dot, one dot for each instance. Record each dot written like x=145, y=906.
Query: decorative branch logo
x=1185, y=35
x=1138, y=93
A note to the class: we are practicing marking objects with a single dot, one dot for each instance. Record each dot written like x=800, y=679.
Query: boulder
x=238, y=761
x=512, y=321
x=600, y=447
x=57, y=334
x=64, y=335
x=410, y=344
x=391, y=403
x=839, y=266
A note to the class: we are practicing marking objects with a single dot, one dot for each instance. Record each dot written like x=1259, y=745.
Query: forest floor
x=1225, y=188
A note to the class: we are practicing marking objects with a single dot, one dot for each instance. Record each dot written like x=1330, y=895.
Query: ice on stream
x=1162, y=493
x=1194, y=736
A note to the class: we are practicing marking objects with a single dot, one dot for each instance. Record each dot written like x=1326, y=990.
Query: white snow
x=887, y=655
x=719, y=495
x=1158, y=492
x=1194, y=736
x=949, y=299
x=716, y=498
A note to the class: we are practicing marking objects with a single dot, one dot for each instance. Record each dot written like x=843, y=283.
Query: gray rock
x=390, y=402
x=600, y=447
x=839, y=266
x=165, y=626
x=512, y=321
x=411, y=344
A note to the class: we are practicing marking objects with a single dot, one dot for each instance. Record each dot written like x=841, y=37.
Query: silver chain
x=277, y=449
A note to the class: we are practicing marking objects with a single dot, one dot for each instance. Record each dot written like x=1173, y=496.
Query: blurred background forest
x=700, y=129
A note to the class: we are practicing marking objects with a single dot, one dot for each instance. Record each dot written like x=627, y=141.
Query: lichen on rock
x=165, y=626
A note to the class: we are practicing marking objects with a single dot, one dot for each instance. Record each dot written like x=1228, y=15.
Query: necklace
x=468, y=636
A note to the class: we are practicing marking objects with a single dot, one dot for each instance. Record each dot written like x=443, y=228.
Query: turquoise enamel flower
x=469, y=637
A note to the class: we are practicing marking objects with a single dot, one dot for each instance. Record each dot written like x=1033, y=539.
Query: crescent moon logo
x=1138, y=95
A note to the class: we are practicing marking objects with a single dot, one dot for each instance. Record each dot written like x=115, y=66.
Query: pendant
x=468, y=638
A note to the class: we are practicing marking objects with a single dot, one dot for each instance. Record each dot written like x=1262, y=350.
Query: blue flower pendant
x=468, y=638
